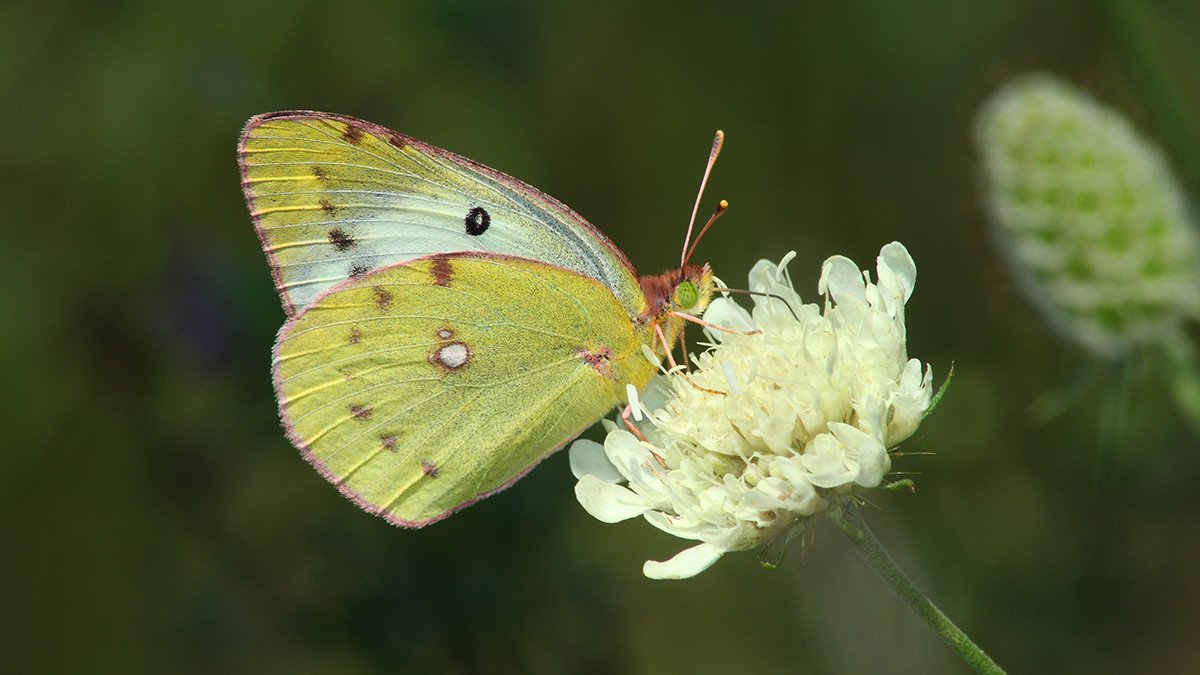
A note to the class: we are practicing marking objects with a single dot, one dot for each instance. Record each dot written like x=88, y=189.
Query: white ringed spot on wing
x=451, y=356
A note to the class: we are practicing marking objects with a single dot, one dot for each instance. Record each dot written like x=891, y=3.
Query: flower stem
x=850, y=520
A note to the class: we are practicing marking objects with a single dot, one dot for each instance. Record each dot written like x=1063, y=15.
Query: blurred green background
x=154, y=517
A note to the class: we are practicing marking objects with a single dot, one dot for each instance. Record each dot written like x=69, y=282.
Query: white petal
x=768, y=277
x=744, y=535
x=588, y=459
x=896, y=267
x=678, y=526
x=635, y=406
x=622, y=446
x=633, y=460
x=685, y=564
x=872, y=456
x=841, y=278
x=608, y=502
x=825, y=460
x=735, y=387
x=650, y=355
x=727, y=314
x=802, y=496
x=909, y=402
x=656, y=394
x=764, y=276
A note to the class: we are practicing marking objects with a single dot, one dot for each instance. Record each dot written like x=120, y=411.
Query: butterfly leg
x=625, y=414
x=658, y=331
x=683, y=348
x=701, y=322
x=625, y=418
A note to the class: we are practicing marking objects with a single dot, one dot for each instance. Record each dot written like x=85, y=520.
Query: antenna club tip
x=723, y=204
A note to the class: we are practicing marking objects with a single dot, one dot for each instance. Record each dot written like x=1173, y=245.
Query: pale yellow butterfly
x=449, y=326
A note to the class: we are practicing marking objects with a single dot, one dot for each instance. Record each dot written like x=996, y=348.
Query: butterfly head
x=682, y=291
x=687, y=289
x=693, y=290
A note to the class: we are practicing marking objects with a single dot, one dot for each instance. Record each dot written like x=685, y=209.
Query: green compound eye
x=686, y=294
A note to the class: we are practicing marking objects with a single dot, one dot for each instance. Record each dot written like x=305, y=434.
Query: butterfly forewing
x=422, y=387
x=335, y=198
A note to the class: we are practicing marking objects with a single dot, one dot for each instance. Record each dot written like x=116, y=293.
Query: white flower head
x=1087, y=211
x=813, y=398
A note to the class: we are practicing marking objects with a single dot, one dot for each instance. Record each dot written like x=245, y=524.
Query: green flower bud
x=1087, y=211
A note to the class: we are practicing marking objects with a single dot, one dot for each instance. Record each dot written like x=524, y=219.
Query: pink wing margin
x=398, y=139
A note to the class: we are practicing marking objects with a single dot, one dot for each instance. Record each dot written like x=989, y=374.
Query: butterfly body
x=449, y=326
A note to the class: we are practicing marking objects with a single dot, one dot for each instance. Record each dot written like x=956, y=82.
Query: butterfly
x=449, y=326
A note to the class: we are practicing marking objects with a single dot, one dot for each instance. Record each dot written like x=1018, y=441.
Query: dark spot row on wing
x=352, y=135
x=383, y=298
x=341, y=240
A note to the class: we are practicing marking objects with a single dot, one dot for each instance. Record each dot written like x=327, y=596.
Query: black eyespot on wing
x=477, y=221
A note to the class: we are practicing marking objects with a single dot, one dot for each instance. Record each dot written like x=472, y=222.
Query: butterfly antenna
x=718, y=141
x=722, y=207
x=764, y=295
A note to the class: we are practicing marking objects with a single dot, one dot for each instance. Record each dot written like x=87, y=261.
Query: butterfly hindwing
x=424, y=386
x=335, y=198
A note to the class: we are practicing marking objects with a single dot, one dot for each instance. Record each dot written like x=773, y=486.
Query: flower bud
x=1090, y=217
